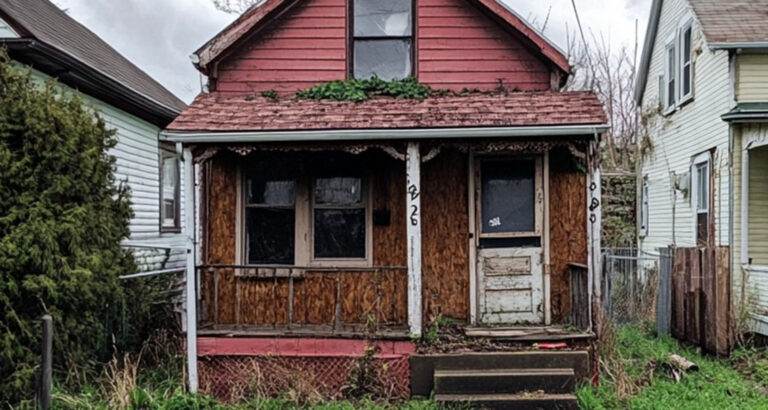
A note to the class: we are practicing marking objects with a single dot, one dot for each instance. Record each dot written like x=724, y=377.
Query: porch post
x=594, y=224
x=413, y=212
x=745, y=205
x=190, y=282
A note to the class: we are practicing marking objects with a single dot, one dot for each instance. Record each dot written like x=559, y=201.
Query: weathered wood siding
x=751, y=78
x=568, y=227
x=445, y=241
x=454, y=36
x=308, y=45
x=304, y=47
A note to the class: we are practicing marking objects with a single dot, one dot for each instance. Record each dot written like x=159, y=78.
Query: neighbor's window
x=170, y=191
x=686, y=72
x=270, y=219
x=670, y=74
x=700, y=197
x=382, y=39
x=339, y=218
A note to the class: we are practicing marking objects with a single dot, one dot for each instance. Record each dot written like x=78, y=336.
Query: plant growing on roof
x=361, y=90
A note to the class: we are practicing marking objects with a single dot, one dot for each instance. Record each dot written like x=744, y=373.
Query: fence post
x=46, y=367
x=664, y=298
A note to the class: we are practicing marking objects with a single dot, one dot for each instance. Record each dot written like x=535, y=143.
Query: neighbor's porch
x=323, y=240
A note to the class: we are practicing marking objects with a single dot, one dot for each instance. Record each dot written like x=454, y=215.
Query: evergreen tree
x=62, y=218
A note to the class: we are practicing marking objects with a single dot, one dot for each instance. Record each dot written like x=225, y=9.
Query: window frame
x=163, y=154
x=366, y=205
x=705, y=159
x=682, y=96
x=670, y=75
x=303, y=252
x=246, y=206
x=351, y=38
x=538, y=197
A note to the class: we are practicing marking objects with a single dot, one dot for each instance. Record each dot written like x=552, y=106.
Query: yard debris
x=551, y=346
x=678, y=366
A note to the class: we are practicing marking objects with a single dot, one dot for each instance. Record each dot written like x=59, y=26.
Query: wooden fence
x=700, y=298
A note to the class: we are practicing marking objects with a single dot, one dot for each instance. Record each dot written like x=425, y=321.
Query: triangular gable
x=261, y=14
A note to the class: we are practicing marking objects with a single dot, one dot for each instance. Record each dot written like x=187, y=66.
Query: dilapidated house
x=326, y=226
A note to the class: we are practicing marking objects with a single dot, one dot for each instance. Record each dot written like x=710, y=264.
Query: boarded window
x=508, y=196
x=339, y=218
x=170, y=191
x=382, y=38
x=270, y=221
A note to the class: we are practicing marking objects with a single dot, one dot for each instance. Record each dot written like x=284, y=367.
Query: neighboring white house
x=38, y=34
x=702, y=93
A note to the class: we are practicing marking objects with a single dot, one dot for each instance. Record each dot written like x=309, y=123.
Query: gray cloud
x=159, y=35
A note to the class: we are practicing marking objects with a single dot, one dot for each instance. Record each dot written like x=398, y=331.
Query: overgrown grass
x=647, y=384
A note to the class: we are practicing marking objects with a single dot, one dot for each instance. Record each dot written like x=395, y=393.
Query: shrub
x=62, y=218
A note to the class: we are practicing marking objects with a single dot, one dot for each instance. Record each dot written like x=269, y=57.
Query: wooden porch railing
x=285, y=298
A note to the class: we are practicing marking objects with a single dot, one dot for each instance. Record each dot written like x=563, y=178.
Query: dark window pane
x=270, y=236
x=509, y=191
x=338, y=191
x=687, y=80
x=687, y=46
x=277, y=193
x=340, y=233
x=377, y=18
x=169, y=189
x=386, y=59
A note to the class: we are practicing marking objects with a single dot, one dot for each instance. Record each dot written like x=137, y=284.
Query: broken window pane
x=338, y=191
x=270, y=236
x=340, y=233
x=377, y=18
x=386, y=59
x=508, y=196
x=276, y=193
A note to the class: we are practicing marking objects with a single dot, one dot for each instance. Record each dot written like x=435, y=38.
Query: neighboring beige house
x=702, y=90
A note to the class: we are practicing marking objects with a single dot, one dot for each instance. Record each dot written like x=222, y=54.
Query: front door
x=509, y=209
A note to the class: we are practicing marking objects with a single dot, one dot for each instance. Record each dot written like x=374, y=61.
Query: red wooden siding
x=458, y=47
x=454, y=36
x=304, y=47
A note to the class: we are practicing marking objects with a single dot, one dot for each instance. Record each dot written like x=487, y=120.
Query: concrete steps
x=501, y=380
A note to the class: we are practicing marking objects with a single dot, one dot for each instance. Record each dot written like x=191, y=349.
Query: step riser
x=517, y=404
x=505, y=384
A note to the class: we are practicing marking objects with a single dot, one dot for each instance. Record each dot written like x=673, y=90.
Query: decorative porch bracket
x=413, y=212
x=190, y=284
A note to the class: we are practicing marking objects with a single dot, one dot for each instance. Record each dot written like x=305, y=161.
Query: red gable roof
x=259, y=15
x=217, y=113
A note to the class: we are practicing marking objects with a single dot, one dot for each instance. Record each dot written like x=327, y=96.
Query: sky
x=160, y=35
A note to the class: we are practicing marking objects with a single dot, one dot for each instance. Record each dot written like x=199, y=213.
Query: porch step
x=533, y=401
x=507, y=381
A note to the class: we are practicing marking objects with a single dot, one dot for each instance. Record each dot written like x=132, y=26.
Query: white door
x=510, y=201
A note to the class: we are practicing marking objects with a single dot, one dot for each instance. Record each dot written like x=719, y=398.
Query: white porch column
x=190, y=282
x=413, y=213
x=745, y=206
x=594, y=224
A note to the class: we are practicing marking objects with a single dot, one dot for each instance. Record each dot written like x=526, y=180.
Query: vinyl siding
x=755, y=290
x=6, y=31
x=137, y=164
x=752, y=78
x=677, y=138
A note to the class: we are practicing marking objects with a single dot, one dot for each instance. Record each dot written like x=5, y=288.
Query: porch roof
x=215, y=113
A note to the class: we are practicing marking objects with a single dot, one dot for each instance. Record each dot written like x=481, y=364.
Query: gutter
x=738, y=117
x=195, y=137
x=739, y=44
x=108, y=85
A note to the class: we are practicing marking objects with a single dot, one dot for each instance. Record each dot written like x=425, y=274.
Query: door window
x=508, y=198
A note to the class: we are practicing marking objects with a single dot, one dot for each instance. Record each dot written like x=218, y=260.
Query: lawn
x=636, y=377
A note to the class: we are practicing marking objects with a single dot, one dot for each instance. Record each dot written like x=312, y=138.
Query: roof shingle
x=733, y=21
x=218, y=113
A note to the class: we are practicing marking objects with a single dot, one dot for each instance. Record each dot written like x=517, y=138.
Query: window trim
x=682, y=97
x=163, y=153
x=670, y=74
x=538, y=197
x=351, y=39
x=700, y=159
x=246, y=206
x=303, y=252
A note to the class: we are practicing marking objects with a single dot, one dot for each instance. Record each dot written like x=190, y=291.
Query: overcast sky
x=159, y=35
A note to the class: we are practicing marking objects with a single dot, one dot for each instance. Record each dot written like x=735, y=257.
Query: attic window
x=382, y=39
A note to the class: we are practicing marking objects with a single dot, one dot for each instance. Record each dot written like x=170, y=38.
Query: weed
x=271, y=94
